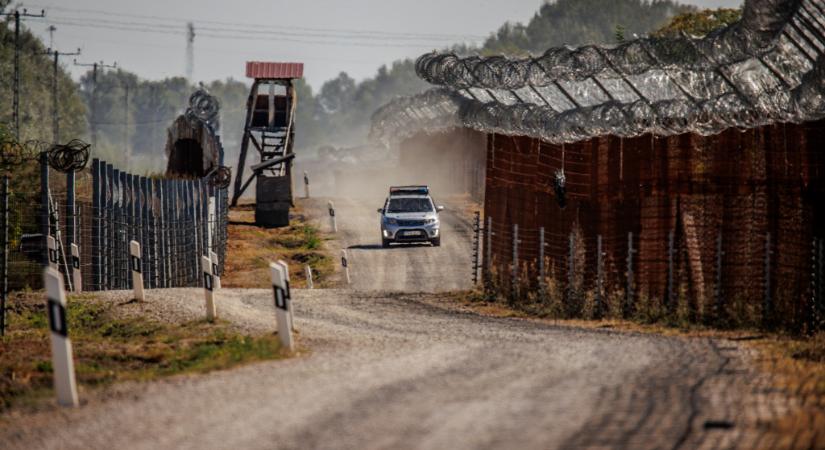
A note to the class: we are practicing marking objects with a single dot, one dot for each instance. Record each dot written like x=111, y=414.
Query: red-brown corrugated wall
x=738, y=186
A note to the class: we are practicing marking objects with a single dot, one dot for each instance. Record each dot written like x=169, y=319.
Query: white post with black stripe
x=52, y=253
x=306, y=185
x=285, y=266
x=65, y=385
x=137, y=272
x=77, y=278
x=332, y=221
x=209, y=288
x=345, y=265
x=279, y=289
x=215, y=272
x=308, y=271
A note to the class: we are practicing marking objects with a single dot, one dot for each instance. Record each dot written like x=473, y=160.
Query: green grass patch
x=109, y=348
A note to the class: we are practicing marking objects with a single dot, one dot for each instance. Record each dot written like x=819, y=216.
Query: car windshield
x=404, y=205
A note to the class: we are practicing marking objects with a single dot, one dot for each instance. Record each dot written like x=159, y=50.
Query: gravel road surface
x=409, y=370
x=403, y=371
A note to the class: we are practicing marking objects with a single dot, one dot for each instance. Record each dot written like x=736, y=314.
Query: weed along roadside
x=111, y=345
x=251, y=249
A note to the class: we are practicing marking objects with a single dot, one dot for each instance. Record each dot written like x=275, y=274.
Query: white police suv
x=410, y=215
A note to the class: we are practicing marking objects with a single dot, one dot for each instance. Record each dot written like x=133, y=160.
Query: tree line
x=338, y=114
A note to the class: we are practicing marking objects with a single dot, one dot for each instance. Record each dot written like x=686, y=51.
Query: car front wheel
x=436, y=242
x=385, y=243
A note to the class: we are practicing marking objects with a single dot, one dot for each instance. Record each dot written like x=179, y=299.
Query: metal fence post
x=571, y=267
x=160, y=224
x=515, y=262
x=599, y=306
x=109, y=236
x=127, y=206
x=4, y=247
x=816, y=310
x=767, y=307
x=670, y=301
x=148, y=241
x=476, y=243
x=718, y=288
x=542, y=274
x=96, y=210
x=628, y=307
x=44, y=204
x=488, y=259
x=819, y=305
x=70, y=209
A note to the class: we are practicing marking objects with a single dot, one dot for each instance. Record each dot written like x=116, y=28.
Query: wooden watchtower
x=270, y=128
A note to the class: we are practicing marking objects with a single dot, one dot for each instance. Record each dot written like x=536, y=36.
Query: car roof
x=393, y=197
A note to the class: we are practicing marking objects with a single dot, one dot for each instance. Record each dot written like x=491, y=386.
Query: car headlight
x=390, y=221
x=429, y=221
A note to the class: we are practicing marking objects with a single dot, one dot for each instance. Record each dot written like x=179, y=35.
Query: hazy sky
x=148, y=37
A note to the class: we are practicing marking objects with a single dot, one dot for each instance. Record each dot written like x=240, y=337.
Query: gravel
x=377, y=369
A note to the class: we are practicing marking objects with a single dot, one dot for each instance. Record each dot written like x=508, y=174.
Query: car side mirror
x=439, y=208
x=380, y=210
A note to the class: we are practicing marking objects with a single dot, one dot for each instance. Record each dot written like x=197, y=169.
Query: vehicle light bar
x=409, y=190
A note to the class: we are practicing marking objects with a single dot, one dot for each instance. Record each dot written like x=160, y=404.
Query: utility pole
x=16, y=89
x=70, y=176
x=190, y=51
x=95, y=66
x=55, y=103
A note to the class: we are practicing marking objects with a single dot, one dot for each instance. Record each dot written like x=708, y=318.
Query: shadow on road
x=365, y=247
x=379, y=247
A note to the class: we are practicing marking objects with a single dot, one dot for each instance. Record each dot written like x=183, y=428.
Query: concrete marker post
x=65, y=385
x=136, y=263
x=308, y=271
x=306, y=185
x=215, y=272
x=281, y=305
x=332, y=221
x=77, y=278
x=51, y=252
x=285, y=267
x=345, y=265
x=208, y=288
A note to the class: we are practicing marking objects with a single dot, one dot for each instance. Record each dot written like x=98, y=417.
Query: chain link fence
x=100, y=209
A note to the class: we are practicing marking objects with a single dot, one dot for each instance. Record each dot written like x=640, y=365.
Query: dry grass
x=250, y=250
x=110, y=347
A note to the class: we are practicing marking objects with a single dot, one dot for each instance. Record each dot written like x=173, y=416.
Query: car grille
x=410, y=223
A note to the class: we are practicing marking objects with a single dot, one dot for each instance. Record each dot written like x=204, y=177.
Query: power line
x=253, y=26
x=142, y=29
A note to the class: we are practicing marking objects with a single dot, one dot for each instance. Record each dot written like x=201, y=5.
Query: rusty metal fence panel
x=723, y=229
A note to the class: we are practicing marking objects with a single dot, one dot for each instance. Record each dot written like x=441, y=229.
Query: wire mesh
x=175, y=221
x=766, y=68
x=721, y=228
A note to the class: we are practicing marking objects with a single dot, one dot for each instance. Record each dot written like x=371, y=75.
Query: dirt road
x=401, y=371
x=389, y=370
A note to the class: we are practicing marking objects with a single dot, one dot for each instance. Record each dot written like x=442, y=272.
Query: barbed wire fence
x=56, y=191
